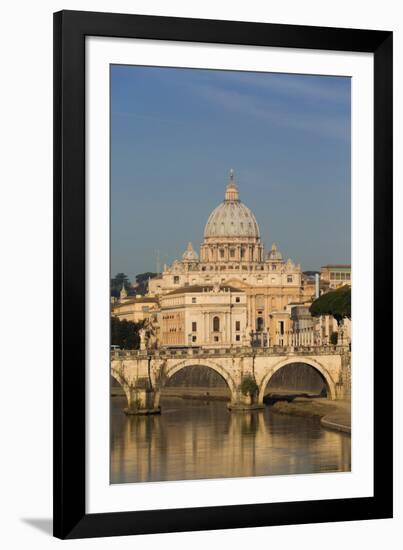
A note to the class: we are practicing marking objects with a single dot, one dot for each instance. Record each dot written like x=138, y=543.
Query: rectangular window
x=221, y=253
x=176, y=279
x=232, y=252
x=289, y=278
x=194, y=326
x=145, y=308
x=215, y=338
x=237, y=299
x=193, y=300
x=237, y=338
x=274, y=267
x=237, y=325
x=194, y=338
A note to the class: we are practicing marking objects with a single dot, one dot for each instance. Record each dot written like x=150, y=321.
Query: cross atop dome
x=231, y=192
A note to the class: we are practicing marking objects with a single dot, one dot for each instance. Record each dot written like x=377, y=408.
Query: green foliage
x=141, y=286
x=336, y=303
x=125, y=334
x=334, y=338
x=117, y=282
x=142, y=281
x=248, y=386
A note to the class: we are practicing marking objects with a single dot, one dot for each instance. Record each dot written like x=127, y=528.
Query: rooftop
x=194, y=289
x=138, y=300
x=328, y=266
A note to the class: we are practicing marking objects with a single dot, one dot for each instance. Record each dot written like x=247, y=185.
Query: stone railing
x=230, y=352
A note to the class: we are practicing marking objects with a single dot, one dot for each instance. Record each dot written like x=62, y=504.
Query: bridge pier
x=246, y=372
x=241, y=402
x=242, y=406
x=142, y=399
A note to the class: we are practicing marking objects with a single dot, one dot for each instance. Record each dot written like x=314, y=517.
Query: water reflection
x=195, y=439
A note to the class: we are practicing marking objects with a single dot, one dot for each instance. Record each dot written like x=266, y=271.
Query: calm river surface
x=195, y=439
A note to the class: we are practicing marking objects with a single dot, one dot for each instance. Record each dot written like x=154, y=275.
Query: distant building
x=307, y=330
x=335, y=275
x=134, y=308
x=234, y=293
x=232, y=256
x=207, y=316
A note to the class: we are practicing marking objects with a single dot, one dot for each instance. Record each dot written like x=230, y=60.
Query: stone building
x=234, y=293
x=134, y=308
x=232, y=256
x=335, y=275
x=208, y=316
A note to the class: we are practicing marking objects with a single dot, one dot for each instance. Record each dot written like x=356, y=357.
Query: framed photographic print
x=223, y=248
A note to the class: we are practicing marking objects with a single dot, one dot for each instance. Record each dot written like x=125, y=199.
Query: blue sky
x=175, y=134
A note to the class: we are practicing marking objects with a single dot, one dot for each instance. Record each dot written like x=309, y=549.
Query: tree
x=336, y=303
x=117, y=283
x=125, y=334
x=142, y=281
x=248, y=386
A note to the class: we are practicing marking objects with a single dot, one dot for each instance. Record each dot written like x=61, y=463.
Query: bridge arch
x=115, y=373
x=222, y=371
x=330, y=384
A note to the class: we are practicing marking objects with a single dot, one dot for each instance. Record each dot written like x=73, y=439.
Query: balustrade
x=280, y=349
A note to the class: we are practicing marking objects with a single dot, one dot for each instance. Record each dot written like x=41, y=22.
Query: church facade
x=233, y=290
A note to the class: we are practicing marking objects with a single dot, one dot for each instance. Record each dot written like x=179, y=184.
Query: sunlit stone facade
x=336, y=275
x=134, y=308
x=208, y=316
x=232, y=256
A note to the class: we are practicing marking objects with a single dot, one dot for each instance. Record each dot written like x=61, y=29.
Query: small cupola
x=231, y=192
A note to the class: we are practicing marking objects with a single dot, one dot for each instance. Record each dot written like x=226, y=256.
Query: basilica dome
x=231, y=218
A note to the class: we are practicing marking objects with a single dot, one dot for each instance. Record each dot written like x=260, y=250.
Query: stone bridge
x=143, y=374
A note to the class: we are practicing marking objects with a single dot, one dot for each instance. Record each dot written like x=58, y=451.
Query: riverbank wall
x=334, y=415
x=199, y=393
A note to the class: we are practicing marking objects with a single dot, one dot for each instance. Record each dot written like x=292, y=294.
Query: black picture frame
x=70, y=517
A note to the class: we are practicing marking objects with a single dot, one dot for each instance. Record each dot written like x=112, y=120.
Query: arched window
x=259, y=324
x=216, y=324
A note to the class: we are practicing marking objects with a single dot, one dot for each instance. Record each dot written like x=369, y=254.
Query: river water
x=195, y=439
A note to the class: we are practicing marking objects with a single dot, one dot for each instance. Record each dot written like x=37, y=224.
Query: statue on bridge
x=150, y=333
